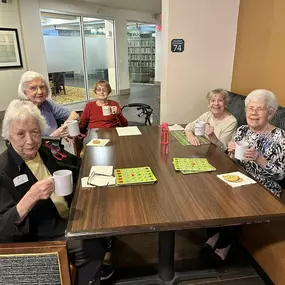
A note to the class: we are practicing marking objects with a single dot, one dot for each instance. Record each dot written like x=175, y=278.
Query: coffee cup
x=241, y=147
x=106, y=110
x=199, y=128
x=73, y=128
x=63, y=182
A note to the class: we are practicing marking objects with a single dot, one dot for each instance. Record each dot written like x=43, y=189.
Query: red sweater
x=92, y=117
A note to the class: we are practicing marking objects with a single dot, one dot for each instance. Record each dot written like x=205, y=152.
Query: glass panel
x=141, y=51
x=100, y=53
x=63, y=47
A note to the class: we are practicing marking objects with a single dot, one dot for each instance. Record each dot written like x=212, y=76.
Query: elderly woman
x=33, y=87
x=264, y=159
x=102, y=113
x=220, y=124
x=28, y=212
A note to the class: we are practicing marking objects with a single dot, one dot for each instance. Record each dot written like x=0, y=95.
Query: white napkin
x=176, y=128
x=128, y=131
x=245, y=180
x=98, y=142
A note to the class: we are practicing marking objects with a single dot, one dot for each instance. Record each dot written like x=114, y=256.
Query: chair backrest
x=35, y=263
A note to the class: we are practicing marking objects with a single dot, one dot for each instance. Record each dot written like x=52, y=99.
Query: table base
x=166, y=273
x=178, y=277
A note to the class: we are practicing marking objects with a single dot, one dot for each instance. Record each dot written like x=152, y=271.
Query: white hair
x=26, y=77
x=263, y=94
x=21, y=110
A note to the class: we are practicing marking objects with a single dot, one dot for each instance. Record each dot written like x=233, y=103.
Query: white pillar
x=122, y=54
x=33, y=41
x=209, y=30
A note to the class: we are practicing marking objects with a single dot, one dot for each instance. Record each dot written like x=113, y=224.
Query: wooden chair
x=34, y=262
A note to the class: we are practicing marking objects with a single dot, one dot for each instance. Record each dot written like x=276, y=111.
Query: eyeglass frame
x=258, y=111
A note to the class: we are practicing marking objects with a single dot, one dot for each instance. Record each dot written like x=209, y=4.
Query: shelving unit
x=141, y=53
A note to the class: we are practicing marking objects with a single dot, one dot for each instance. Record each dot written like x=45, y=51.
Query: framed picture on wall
x=10, y=53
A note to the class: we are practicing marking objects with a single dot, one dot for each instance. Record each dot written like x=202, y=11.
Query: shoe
x=215, y=261
x=206, y=251
x=106, y=271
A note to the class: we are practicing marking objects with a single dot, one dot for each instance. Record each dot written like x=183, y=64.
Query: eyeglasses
x=252, y=110
x=103, y=90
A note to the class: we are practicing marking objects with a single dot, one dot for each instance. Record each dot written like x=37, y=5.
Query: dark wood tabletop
x=175, y=202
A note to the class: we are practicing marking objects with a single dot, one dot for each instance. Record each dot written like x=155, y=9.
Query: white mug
x=199, y=128
x=241, y=147
x=106, y=110
x=73, y=128
x=63, y=182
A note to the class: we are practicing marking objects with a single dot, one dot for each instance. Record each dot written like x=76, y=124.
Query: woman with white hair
x=220, y=124
x=33, y=87
x=29, y=210
x=264, y=160
x=265, y=157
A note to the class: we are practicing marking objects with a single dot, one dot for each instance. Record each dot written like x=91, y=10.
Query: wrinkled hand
x=231, y=146
x=251, y=154
x=193, y=140
x=61, y=131
x=42, y=190
x=209, y=130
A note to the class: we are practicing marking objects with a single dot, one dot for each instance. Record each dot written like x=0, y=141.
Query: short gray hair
x=220, y=91
x=29, y=76
x=21, y=110
x=263, y=94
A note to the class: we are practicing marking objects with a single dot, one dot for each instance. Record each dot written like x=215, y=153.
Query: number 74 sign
x=177, y=45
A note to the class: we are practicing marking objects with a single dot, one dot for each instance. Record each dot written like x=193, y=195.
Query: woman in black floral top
x=265, y=157
x=264, y=160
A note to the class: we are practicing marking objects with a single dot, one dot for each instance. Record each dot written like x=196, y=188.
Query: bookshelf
x=141, y=52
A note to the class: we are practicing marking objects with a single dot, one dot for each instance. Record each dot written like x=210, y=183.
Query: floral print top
x=272, y=147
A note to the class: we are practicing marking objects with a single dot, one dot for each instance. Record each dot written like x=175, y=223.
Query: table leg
x=166, y=244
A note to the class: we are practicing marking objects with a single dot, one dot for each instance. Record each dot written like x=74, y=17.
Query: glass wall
x=141, y=51
x=79, y=51
x=100, y=53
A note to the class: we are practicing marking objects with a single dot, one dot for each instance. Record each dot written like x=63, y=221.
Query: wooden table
x=175, y=202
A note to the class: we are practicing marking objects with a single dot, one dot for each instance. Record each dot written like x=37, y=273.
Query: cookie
x=232, y=178
x=96, y=141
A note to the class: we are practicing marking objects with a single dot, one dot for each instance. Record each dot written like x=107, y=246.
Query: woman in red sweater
x=102, y=113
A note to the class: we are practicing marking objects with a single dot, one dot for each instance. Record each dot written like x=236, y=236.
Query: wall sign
x=177, y=45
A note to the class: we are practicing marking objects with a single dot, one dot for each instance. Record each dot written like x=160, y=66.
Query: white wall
x=158, y=56
x=9, y=78
x=121, y=18
x=209, y=29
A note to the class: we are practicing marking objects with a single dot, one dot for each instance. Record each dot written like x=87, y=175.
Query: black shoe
x=206, y=251
x=106, y=271
x=215, y=261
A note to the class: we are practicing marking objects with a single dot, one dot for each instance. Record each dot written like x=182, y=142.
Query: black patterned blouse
x=272, y=147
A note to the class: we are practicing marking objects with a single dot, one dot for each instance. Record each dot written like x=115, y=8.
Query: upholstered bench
x=265, y=242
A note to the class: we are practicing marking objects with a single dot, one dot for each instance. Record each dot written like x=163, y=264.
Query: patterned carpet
x=73, y=94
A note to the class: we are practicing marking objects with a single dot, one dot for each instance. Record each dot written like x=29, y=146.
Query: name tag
x=21, y=179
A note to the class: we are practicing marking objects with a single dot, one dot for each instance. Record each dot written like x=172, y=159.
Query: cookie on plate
x=232, y=178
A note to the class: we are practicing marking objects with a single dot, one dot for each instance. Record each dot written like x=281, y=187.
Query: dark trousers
x=228, y=235
x=87, y=255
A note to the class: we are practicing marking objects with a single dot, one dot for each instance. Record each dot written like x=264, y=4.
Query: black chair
x=145, y=110
x=59, y=82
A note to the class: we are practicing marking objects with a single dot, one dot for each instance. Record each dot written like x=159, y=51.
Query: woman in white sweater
x=220, y=124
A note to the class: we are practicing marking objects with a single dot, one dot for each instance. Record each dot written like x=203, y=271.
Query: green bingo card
x=182, y=138
x=192, y=165
x=138, y=175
